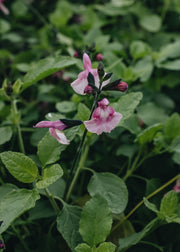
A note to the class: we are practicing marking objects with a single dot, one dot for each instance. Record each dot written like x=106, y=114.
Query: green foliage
x=6, y=134
x=20, y=166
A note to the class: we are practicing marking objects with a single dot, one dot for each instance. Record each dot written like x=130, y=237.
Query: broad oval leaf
x=83, y=247
x=16, y=203
x=45, y=67
x=50, y=175
x=6, y=134
x=112, y=188
x=68, y=225
x=96, y=221
x=106, y=247
x=20, y=166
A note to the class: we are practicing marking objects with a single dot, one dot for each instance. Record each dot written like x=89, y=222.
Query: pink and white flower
x=3, y=8
x=176, y=188
x=104, y=118
x=56, y=127
x=80, y=84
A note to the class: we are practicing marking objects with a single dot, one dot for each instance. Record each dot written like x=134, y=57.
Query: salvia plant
x=89, y=163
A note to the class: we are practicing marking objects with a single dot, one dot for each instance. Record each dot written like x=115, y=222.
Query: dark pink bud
x=99, y=57
x=1, y=244
x=122, y=86
x=88, y=89
x=76, y=54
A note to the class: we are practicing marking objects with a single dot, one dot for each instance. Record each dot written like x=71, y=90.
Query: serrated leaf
x=127, y=104
x=16, y=203
x=45, y=67
x=96, y=221
x=147, y=135
x=110, y=187
x=6, y=134
x=83, y=247
x=106, y=247
x=20, y=166
x=168, y=207
x=50, y=175
x=49, y=149
x=68, y=225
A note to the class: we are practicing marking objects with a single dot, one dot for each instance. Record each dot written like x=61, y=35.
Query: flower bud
x=99, y=57
x=100, y=70
x=88, y=89
x=1, y=244
x=122, y=86
x=76, y=54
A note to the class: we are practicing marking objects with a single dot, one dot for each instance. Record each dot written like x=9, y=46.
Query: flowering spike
x=104, y=118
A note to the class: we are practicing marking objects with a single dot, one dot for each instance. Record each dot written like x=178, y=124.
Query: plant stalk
x=52, y=201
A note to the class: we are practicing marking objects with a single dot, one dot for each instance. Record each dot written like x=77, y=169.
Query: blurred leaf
x=45, y=67
x=4, y=26
x=66, y=106
x=49, y=149
x=83, y=112
x=171, y=50
x=20, y=166
x=144, y=68
x=110, y=187
x=96, y=221
x=50, y=175
x=148, y=134
x=150, y=22
x=170, y=65
x=172, y=129
x=68, y=225
x=6, y=134
x=16, y=203
x=139, y=49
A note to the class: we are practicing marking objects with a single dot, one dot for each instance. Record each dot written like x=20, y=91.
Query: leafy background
x=140, y=43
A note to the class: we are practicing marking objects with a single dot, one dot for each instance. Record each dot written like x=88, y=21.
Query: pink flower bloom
x=80, y=84
x=176, y=188
x=56, y=127
x=104, y=118
x=3, y=8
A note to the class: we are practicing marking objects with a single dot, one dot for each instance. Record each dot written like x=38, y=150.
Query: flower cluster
x=103, y=117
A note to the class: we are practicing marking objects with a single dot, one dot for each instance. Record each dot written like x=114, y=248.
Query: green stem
x=52, y=201
x=19, y=236
x=16, y=123
x=76, y=175
x=142, y=201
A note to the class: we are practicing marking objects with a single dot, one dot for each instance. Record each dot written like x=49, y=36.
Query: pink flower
x=80, y=84
x=56, y=127
x=104, y=118
x=3, y=8
x=176, y=188
x=122, y=86
x=99, y=57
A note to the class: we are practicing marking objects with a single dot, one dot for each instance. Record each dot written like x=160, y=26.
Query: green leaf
x=125, y=243
x=17, y=86
x=83, y=112
x=50, y=175
x=170, y=65
x=96, y=221
x=68, y=225
x=6, y=134
x=150, y=22
x=150, y=205
x=147, y=135
x=45, y=67
x=127, y=104
x=171, y=50
x=172, y=129
x=151, y=114
x=139, y=49
x=4, y=26
x=169, y=204
x=106, y=247
x=20, y=166
x=6, y=188
x=16, y=203
x=144, y=68
x=66, y=106
x=83, y=247
x=112, y=188
x=49, y=149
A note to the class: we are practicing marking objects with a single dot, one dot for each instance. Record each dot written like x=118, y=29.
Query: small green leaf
x=66, y=107
x=138, y=49
x=6, y=134
x=147, y=135
x=172, y=129
x=106, y=247
x=169, y=204
x=83, y=247
x=127, y=104
x=68, y=225
x=150, y=205
x=16, y=203
x=17, y=86
x=96, y=221
x=45, y=67
x=20, y=166
x=112, y=188
x=150, y=22
x=83, y=112
x=50, y=175
x=49, y=149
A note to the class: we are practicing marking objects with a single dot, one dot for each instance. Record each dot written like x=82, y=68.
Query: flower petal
x=51, y=124
x=59, y=135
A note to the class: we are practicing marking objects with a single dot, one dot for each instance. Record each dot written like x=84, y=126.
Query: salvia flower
x=3, y=8
x=56, y=128
x=104, y=118
x=80, y=84
x=176, y=188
